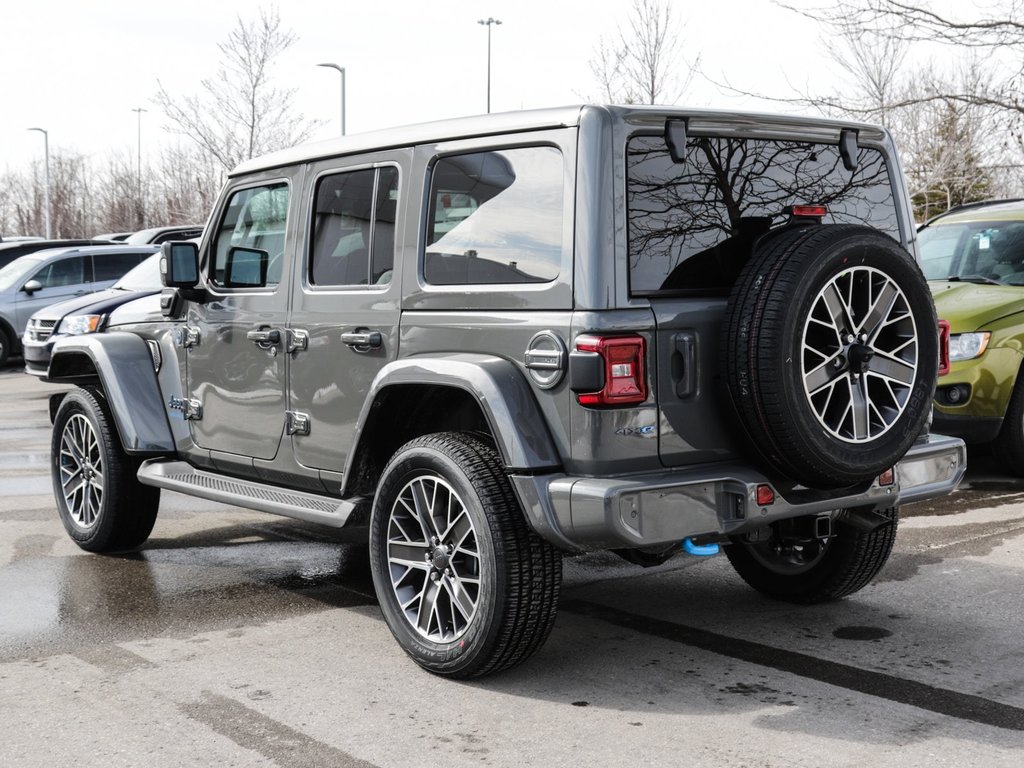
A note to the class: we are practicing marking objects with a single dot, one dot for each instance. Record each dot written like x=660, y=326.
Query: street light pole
x=488, y=23
x=138, y=111
x=46, y=178
x=342, y=71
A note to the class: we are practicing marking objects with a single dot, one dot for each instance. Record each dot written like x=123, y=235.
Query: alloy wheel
x=433, y=559
x=81, y=471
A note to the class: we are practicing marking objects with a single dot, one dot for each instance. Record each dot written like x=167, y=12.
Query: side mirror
x=179, y=265
x=32, y=286
x=246, y=268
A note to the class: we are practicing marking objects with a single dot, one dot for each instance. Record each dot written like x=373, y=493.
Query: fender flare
x=520, y=430
x=124, y=366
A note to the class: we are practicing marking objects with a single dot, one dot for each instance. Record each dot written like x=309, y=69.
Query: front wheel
x=812, y=570
x=466, y=587
x=102, y=505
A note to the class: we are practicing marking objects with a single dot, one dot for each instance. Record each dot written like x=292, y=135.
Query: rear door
x=345, y=316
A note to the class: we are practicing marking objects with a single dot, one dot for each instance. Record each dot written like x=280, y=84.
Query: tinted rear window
x=691, y=224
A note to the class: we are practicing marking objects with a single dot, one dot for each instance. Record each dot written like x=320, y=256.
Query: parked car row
x=37, y=280
x=36, y=273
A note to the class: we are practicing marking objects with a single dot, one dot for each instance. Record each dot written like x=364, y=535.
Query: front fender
x=520, y=431
x=124, y=367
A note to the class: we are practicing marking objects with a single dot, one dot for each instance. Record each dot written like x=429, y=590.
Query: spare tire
x=830, y=352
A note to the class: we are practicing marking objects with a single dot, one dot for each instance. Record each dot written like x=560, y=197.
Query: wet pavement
x=236, y=638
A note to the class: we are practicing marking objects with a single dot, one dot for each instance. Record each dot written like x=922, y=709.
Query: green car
x=973, y=257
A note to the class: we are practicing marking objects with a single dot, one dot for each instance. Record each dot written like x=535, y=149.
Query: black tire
x=111, y=511
x=5, y=347
x=795, y=356
x=1009, y=443
x=840, y=565
x=512, y=607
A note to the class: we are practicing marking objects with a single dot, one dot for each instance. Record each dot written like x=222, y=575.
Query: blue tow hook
x=699, y=550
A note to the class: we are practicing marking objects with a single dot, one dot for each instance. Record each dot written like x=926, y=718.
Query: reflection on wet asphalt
x=226, y=578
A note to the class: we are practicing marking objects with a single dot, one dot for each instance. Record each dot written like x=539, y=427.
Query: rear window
x=691, y=225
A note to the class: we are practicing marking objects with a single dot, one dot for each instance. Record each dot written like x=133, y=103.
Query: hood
x=140, y=307
x=970, y=306
x=98, y=303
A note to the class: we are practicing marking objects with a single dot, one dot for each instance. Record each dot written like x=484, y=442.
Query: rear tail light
x=765, y=496
x=621, y=360
x=943, y=347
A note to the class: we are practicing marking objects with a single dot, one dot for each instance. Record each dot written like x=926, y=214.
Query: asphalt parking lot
x=239, y=639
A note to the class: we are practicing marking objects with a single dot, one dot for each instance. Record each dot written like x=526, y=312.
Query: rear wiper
x=974, y=279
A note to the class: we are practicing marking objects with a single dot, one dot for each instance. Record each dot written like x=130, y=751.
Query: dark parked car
x=92, y=313
x=38, y=280
x=9, y=251
x=158, y=235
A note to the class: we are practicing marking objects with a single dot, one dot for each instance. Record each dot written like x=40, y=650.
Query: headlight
x=77, y=324
x=967, y=346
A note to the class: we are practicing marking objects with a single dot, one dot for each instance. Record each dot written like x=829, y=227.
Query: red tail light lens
x=811, y=211
x=943, y=347
x=623, y=363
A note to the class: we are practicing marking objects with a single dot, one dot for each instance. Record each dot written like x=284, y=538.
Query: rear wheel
x=5, y=346
x=466, y=587
x=816, y=570
x=102, y=505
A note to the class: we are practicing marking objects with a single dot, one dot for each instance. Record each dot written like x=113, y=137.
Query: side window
x=255, y=219
x=495, y=217
x=111, y=266
x=64, y=272
x=354, y=228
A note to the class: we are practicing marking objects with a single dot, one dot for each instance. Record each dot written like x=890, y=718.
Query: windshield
x=976, y=252
x=145, y=277
x=16, y=270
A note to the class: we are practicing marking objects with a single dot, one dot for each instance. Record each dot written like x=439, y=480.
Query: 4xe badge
x=645, y=431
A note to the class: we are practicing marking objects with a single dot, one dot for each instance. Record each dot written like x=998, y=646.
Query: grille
x=40, y=330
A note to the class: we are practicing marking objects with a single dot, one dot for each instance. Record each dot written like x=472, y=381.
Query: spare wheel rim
x=859, y=355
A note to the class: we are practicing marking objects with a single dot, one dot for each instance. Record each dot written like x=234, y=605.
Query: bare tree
x=998, y=37
x=239, y=113
x=642, y=63
x=188, y=185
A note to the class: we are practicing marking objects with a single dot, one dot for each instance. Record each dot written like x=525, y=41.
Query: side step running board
x=183, y=477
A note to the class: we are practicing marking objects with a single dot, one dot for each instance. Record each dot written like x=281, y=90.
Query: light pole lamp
x=489, y=22
x=342, y=71
x=46, y=178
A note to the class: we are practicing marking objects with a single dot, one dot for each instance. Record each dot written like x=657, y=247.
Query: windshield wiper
x=974, y=279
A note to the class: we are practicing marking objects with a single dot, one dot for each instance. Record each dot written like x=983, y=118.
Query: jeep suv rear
x=493, y=341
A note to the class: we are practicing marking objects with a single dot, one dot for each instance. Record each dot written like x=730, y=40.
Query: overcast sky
x=78, y=68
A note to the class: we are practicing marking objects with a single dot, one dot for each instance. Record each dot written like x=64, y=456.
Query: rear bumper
x=719, y=500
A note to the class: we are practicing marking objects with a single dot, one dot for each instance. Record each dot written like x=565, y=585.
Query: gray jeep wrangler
x=493, y=341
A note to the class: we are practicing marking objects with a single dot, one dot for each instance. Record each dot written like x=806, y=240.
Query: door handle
x=264, y=337
x=362, y=340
